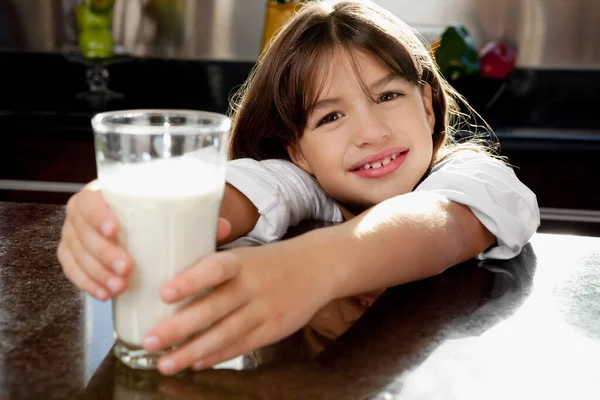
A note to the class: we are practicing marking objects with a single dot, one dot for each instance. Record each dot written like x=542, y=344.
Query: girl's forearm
x=240, y=211
x=403, y=239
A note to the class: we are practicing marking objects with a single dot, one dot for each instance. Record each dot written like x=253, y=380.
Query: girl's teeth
x=381, y=163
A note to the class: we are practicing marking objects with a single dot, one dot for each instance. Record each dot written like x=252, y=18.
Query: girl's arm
x=493, y=193
x=239, y=211
x=285, y=195
x=280, y=192
x=403, y=239
x=265, y=293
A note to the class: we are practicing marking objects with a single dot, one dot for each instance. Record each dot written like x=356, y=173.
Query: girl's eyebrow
x=384, y=81
x=324, y=103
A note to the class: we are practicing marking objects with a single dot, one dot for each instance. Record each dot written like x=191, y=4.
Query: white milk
x=168, y=212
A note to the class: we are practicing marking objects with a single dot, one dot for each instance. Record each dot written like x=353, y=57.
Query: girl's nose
x=369, y=130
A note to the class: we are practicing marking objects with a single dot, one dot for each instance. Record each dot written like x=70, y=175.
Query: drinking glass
x=162, y=172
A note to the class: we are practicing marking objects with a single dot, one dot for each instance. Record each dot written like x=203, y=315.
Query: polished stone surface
x=528, y=328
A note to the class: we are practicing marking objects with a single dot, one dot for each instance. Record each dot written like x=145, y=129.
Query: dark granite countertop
x=528, y=328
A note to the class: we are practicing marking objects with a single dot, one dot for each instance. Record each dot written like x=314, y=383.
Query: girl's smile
x=380, y=164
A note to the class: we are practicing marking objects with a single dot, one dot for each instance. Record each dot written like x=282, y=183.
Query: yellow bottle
x=277, y=14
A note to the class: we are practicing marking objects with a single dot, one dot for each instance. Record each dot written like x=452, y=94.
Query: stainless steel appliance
x=550, y=34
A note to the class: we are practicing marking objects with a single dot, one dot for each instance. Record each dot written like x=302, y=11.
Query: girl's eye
x=330, y=118
x=387, y=97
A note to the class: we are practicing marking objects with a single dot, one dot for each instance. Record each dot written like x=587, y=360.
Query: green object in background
x=96, y=43
x=457, y=56
x=101, y=6
x=86, y=18
x=94, y=19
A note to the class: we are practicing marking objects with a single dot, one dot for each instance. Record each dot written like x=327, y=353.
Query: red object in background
x=497, y=59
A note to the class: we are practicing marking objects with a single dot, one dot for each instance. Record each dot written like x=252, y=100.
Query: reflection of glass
x=135, y=385
x=162, y=172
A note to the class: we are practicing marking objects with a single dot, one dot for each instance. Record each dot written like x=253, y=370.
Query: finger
x=91, y=265
x=223, y=229
x=225, y=333
x=77, y=276
x=259, y=336
x=197, y=316
x=205, y=274
x=107, y=252
x=90, y=204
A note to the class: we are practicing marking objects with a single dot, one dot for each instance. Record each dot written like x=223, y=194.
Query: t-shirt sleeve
x=283, y=194
x=490, y=188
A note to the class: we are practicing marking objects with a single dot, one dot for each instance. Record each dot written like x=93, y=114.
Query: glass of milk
x=162, y=172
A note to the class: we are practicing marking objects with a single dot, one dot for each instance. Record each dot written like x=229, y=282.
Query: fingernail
x=114, y=284
x=169, y=294
x=198, y=365
x=167, y=366
x=152, y=343
x=106, y=228
x=118, y=266
x=101, y=294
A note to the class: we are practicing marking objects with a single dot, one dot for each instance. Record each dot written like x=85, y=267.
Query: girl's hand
x=261, y=295
x=88, y=251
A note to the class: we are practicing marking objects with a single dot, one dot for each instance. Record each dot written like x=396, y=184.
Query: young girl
x=345, y=118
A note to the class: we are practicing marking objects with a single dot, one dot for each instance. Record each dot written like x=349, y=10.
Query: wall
x=550, y=34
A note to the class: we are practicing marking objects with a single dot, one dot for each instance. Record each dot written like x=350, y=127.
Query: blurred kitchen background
x=195, y=53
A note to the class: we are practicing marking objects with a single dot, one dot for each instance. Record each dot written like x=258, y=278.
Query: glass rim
x=102, y=122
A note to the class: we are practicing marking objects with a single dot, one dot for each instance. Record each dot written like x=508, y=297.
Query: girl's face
x=365, y=150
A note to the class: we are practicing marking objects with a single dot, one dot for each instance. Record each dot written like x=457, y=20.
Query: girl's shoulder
x=469, y=158
x=274, y=172
x=271, y=162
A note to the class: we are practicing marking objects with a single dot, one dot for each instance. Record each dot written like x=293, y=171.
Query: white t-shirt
x=285, y=195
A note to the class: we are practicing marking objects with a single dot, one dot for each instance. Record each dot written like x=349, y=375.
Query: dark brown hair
x=270, y=110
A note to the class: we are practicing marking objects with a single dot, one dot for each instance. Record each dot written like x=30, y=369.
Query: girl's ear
x=295, y=153
x=428, y=105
